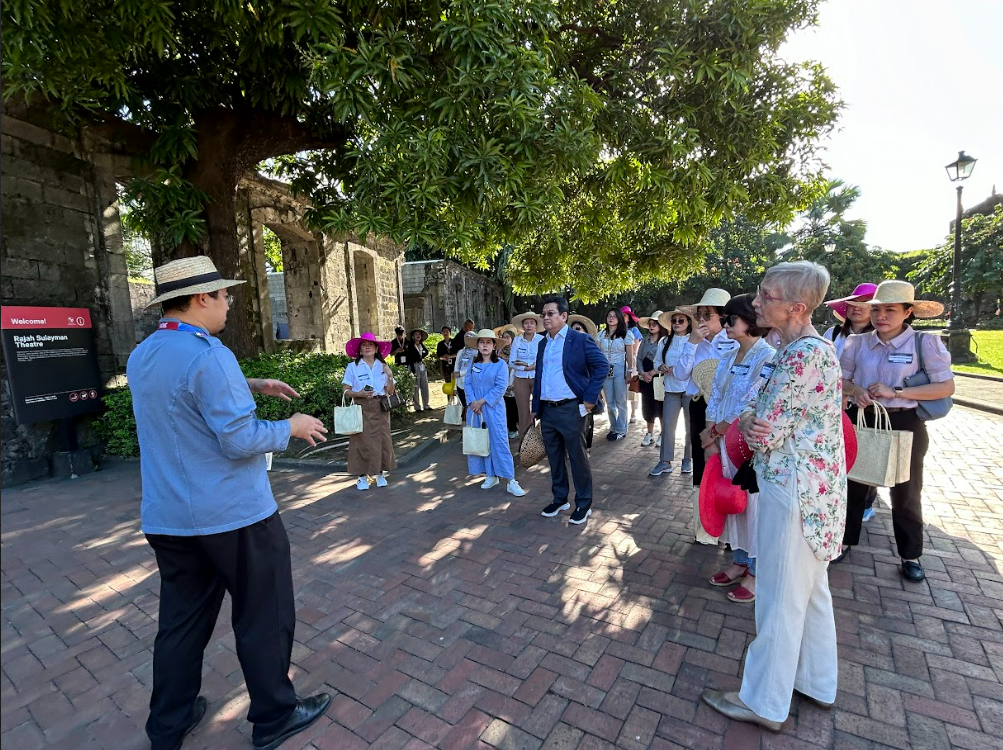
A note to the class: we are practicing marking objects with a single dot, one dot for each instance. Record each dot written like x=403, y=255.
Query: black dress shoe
x=198, y=713
x=307, y=711
x=912, y=571
x=842, y=555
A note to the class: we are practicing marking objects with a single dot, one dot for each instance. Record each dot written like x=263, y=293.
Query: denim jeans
x=740, y=557
x=616, y=399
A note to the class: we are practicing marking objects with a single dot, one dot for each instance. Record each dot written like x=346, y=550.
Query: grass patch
x=988, y=347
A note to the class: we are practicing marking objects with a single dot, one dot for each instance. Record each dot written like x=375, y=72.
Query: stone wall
x=441, y=292
x=60, y=244
x=145, y=319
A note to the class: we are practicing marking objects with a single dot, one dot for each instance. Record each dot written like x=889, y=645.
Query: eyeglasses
x=678, y=321
x=550, y=313
x=766, y=296
x=704, y=316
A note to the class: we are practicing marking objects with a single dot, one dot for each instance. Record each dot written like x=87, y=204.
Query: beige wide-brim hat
x=703, y=376
x=181, y=278
x=643, y=322
x=499, y=330
x=902, y=292
x=484, y=333
x=665, y=319
x=714, y=297
x=591, y=327
x=517, y=320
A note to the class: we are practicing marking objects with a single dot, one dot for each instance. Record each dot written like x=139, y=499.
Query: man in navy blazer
x=570, y=373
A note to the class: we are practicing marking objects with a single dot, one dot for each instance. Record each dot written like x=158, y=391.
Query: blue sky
x=922, y=79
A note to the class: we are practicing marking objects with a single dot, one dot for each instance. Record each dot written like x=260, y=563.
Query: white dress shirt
x=525, y=351
x=554, y=387
x=694, y=354
x=358, y=375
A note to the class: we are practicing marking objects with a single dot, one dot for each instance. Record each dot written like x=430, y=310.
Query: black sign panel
x=51, y=363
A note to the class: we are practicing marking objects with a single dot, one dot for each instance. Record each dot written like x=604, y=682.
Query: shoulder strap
x=919, y=351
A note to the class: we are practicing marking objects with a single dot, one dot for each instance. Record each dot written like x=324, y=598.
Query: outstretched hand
x=272, y=387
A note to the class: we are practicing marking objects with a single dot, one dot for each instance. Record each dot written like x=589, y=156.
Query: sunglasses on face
x=730, y=320
x=679, y=321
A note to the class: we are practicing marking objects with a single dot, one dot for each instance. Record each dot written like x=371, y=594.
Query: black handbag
x=390, y=401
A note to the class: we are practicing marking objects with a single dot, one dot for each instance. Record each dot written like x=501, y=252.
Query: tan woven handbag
x=347, y=418
x=883, y=454
x=476, y=441
x=532, y=450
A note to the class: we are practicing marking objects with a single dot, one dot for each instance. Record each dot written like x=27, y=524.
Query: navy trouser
x=563, y=436
x=253, y=565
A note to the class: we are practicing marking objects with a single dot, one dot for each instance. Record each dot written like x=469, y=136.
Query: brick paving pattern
x=439, y=615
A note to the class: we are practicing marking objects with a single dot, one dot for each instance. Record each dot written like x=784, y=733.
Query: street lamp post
x=959, y=339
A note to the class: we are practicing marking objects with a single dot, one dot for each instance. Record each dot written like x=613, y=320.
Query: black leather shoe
x=842, y=555
x=913, y=571
x=307, y=711
x=198, y=713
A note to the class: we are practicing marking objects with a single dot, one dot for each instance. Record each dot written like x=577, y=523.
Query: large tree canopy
x=600, y=141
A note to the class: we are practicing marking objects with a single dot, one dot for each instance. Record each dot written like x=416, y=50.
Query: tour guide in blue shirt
x=209, y=514
x=570, y=373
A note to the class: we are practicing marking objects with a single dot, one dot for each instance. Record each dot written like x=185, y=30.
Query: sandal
x=741, y=595
x=722, y=579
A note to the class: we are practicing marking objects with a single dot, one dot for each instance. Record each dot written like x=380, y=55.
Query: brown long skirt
x=372, y=450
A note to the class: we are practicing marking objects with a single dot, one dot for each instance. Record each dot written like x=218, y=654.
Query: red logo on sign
x=17, y=316
x=94, y=394
x=73, y=398
x=83, y=395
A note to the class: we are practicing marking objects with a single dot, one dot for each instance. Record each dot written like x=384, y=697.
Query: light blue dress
x=490, y=381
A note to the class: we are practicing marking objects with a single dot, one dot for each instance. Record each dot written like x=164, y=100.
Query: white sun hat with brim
x=643, y=322
x=187, y=276
x=714, y=297
x=484, y=333
x=517, y=320
x=902, y=292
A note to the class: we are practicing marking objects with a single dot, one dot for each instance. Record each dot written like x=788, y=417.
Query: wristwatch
x=898, y=389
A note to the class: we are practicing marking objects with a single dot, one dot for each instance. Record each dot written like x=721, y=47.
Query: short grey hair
x=799, y=281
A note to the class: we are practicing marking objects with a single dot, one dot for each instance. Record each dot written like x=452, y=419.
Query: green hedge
x=317, y=378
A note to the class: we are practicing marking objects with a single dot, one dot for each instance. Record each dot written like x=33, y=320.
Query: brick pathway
x=440, y=615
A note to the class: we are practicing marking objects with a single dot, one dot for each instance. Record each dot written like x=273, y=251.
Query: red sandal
x=741, y=595
x=721, y=579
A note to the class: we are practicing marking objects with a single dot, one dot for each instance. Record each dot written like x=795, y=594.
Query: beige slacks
x=523, y=390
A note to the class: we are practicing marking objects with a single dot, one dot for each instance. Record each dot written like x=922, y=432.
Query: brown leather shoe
x=724, y=703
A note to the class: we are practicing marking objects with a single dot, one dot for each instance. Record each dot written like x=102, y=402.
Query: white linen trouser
x=795, y=643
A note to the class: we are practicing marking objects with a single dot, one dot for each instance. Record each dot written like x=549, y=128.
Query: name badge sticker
x=767, y=370
x=477, y=369
x=364, y=376
x=741, y=369
x=900, y=359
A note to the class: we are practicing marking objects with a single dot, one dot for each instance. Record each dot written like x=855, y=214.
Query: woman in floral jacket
x=795, y=428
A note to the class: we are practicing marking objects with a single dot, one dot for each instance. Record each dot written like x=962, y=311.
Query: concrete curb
x=340, y=467
x=991, y=378
x=972, y=403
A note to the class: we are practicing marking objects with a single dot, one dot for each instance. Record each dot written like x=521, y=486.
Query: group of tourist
x=752, y=363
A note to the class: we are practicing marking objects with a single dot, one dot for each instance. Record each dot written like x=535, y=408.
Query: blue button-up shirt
x=201, y=446
x=554, y=386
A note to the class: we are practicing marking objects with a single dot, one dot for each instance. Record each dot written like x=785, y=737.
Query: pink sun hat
x=629, y=314
x=862, y=293
x=352, y=347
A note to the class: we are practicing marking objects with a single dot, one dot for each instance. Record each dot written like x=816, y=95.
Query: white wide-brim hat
x=484, y=333
x=181, y=278
x=902, y=292
x=517, y=320
x=714, y=297
x=643, y=322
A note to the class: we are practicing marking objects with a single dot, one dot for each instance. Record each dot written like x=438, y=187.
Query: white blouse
x=668, y=356
x=736, y=385
x=358, y=375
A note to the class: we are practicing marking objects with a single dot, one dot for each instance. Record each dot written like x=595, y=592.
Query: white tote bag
x=347, y=419
x=476, y=441
x=659, y=385
x=883, y=454
x=454, y=413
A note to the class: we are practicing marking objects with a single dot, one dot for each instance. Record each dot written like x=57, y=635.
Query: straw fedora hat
x=665, y=319
x=714, y=297
x=902, y=292
x=499, y=330
x=422, y=331
x=186, y=276
x=484, y=333
x=591, y=327
x=643, y=322
x=517, y=320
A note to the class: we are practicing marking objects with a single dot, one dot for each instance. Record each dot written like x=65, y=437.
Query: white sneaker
x=514, y=488
x=362, y=484
x=489, y=482
x=658, y=441
x=513, y=435
x=381, y=481
x=648, y=437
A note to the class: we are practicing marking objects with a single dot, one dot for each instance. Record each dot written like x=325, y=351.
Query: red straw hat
x=352, y=347
x=718, y=497
x=739, y=452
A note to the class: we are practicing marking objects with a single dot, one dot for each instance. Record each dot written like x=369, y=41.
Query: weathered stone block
x=18, y=187
x=19, y=268
x=67, y=199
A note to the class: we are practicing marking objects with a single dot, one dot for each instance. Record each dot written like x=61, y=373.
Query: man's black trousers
x=563, y=435
x=253, y=565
